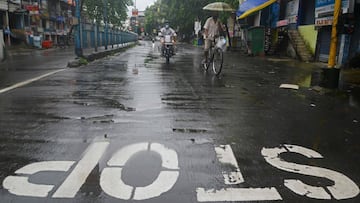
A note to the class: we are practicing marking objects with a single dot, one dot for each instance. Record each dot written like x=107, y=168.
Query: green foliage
x=180, y=13
x=83, y=61
x=116, y=10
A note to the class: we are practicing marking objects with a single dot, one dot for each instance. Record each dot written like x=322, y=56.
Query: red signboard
x=282, y=23
x=33, y=9
x=135, y=12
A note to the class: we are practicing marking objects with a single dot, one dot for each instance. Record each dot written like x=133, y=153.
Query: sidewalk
x=306, y=75
x=349, y=77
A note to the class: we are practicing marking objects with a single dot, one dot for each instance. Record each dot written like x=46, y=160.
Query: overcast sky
x=141, y=5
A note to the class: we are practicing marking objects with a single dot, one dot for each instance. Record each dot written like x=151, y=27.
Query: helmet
x=167, y=25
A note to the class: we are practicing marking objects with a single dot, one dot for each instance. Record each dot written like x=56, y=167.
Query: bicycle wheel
x=217, y=61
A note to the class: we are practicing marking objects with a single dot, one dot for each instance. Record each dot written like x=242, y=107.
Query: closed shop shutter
x=324, y=43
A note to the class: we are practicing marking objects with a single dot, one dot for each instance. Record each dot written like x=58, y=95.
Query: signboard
x=292, y=10
x=33, y=9
x=323, y=21
x=326, y=7
x=282, y=23
x=135, y=12
x=3, y=5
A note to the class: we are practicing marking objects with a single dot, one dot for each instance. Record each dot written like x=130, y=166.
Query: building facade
x=303, y=28
x=28, y=21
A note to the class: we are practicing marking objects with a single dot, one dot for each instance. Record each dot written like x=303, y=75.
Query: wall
x=307, y=12
x=309, y=34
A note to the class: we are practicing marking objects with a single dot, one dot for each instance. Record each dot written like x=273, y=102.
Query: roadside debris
x=289, y=86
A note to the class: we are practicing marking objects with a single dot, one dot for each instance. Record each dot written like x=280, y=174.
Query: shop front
x=323, y=22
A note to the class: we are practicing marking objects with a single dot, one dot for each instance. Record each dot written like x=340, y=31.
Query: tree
x=116, y=10
x=180, y=13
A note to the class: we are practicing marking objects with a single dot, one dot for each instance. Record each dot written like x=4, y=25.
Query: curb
x=98, y=55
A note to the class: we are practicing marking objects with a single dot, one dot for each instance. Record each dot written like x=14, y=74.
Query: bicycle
x=216, y=55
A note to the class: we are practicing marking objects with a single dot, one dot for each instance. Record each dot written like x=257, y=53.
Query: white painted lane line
x=78, y=176
x=237, y=194
x=20, y=84
x=226, y=156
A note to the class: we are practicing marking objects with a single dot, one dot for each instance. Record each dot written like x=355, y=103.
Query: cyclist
x=212, y=28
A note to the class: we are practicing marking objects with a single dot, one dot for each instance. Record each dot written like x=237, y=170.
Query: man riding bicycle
x=212, y=30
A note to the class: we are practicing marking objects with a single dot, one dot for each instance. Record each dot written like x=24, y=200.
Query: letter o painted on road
x=111, y=177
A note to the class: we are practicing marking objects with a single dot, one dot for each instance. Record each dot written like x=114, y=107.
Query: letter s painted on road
x=343, y=187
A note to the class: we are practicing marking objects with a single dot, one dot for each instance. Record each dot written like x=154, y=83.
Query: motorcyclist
x=168, y=31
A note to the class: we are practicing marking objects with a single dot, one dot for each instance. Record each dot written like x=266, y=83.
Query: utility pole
x=333, y=42
x=330, y=75
x=78, y=47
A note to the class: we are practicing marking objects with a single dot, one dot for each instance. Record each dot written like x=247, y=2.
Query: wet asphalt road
x=24, y=64
x=169, y=121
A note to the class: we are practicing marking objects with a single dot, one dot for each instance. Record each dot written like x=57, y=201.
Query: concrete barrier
x=98, y=55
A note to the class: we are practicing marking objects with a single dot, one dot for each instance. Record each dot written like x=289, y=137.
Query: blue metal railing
x=95, y=36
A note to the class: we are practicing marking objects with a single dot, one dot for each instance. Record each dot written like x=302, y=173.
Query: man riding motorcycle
x=168, y=38
x=167, y=30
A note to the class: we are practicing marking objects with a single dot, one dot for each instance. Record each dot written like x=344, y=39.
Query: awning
x=251, y=6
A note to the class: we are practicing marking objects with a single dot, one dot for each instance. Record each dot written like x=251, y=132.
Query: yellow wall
x=309, y=34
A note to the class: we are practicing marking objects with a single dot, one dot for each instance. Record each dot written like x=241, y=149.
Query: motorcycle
x=167, y=47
